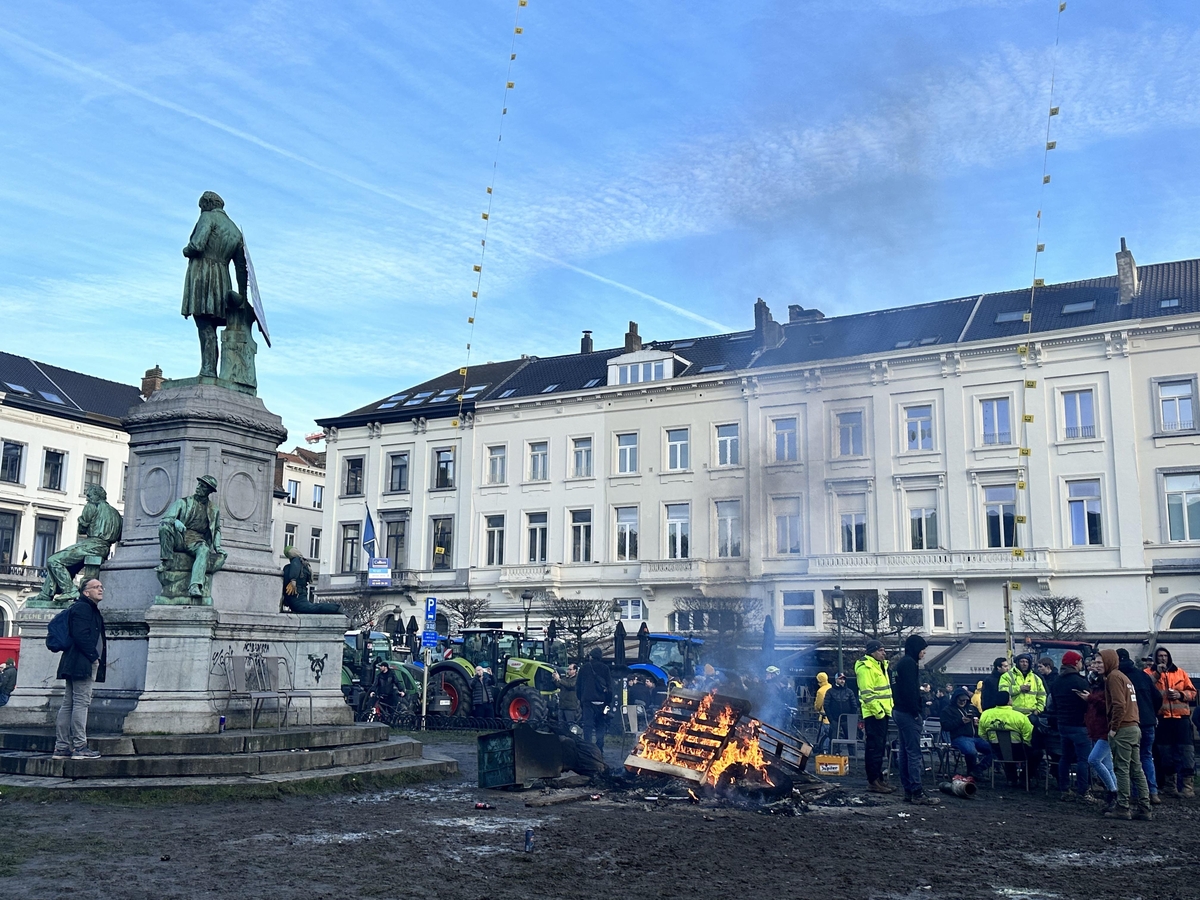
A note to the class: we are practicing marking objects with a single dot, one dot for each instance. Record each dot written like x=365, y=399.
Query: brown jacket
x=1119, y=695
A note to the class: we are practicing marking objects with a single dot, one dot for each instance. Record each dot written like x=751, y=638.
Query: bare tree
x=363, y=608
x=726, y=619
x=1055, y=616
x=581, y=617
x=464, y=612
x=887, y=617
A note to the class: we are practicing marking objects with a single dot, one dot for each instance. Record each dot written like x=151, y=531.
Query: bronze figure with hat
x=189, y=539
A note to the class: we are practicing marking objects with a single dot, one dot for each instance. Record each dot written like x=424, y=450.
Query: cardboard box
x=832, y=765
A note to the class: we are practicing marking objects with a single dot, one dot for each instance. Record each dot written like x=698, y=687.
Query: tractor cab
x=525, y=686
x=673, y=657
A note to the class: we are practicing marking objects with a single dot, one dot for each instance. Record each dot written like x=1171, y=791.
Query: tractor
x=361, y=651
x=672, y=657
x=525, y=689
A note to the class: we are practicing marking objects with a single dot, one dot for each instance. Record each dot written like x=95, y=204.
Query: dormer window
x=641, y=366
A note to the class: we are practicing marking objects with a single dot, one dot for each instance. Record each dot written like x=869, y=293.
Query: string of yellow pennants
x=486, y=215
x=1030, y=384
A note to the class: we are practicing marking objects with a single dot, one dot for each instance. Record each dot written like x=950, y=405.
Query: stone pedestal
x=166, y=668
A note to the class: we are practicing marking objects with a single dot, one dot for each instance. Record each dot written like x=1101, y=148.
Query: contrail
x=327, y=170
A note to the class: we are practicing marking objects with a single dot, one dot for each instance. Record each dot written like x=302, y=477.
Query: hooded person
x=977, y=697
x=823, y=686
x=959, y=720
x=1149, y=702
x=908, y=711
x=1026, y=689
x=1124, y=738
x=1173, y=733
x=594, y=688
x=1069, y=696
x=1002, y=717
x=991, y=684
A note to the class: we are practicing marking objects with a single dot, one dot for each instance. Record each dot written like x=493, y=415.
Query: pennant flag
x=1054, y=110
x=369, y=533
x=1045, y=179
x=1041, y=248
x=1050, y=145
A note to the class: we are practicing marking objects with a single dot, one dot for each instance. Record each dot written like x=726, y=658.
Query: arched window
x=4, y=624
x=1187, y=618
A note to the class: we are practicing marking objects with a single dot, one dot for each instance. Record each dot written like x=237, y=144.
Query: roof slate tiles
x=83, y=396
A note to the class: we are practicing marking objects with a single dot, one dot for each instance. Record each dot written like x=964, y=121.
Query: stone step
x=242, y=741
x=266, y=762
x=355, y=776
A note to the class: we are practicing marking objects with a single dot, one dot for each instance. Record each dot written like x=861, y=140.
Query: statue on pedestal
x=209, y=298
x=99, y=528
x=190, y=546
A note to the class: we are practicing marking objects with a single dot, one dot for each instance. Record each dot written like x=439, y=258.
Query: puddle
x=345, y=837
x=439, y=794
x=459, y=854
x=488, y=824
x=1080, y=858
x=1013, y=893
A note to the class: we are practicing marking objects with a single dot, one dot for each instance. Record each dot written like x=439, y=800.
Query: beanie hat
x=1071, y=658
x=872, y=646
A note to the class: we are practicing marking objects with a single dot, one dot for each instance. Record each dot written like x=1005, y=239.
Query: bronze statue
x=99, y=528
x=191, y=528
x=209, y=298
x=297, y=575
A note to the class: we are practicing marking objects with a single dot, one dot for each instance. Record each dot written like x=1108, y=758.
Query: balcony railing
x=23, y=573
x=933, y=562
x=997, y=437
x=1078, y=432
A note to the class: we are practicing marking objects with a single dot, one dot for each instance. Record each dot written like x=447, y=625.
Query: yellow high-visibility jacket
x=874, y=688
x=1028, y=702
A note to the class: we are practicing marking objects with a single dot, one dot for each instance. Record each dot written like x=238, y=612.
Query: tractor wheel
x=524, y=704
x=458, y=691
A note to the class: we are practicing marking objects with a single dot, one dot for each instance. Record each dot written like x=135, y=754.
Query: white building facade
x=299, y=506
x=927, y=455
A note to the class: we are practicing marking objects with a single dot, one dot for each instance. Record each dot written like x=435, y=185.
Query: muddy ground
x=428, y=840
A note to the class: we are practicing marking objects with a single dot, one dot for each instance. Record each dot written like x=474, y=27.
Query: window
x=350, y=547
x=727, y=445
x=850, y=434
x=124, y=481
x=853, y=511
x=631, y=608
x=1015, y=315
x=314, y=544
x=996, y=428
x=45, y=540
x=785, y=439
x=443, y=470
x=1170, y=303
x=906, y=609
x=318, y=497
x=398, y=472
x=495, y=540
x=787, y=525
x=1083, y=306
x=1183, y=506
x=396, y=542
x=539, y=461
x=353, y=485
x=550, y=388
x=1000, y=513
x=1083, y=506
x=922, y=520
x=581, y=535
x=627, y=461
x=497, y=470
x=1078, y=415
x=581, y=457
x=93, y=472
x=537, y=537
x=635, y=372
x=799, y=609
x=52, y=470
x=729, y=527
x=10, y=463
x=678, y=530
x=293, y=493
x=443, y=543
x=677, y=450
x=918, y=422
x=1175, y=405
x=939, y=610
x=627, y=532
x=289, y=536
x=8, y=537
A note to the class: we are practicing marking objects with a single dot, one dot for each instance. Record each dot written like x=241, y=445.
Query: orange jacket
x=1174, y=679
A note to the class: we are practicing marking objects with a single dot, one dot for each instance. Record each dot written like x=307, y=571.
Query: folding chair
x=1006, y=756
x=942, y=747
x=287, y=685
x=249, y=680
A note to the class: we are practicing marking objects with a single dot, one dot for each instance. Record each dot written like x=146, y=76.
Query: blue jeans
x=912, y=770
x=1101, y=761
x=1146, y=752
x=1076, y=748
x=975, y=750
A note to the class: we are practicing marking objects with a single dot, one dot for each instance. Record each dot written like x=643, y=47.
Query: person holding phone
x=1176, y=767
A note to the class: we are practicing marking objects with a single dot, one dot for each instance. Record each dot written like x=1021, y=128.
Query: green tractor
x=525, y=689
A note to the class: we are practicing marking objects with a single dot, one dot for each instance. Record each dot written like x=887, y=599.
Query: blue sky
x=666, y=162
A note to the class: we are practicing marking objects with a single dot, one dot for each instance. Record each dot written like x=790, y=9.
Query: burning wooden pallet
x=688, y=734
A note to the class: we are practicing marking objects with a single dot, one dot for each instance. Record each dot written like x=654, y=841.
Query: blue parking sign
x=431, y=609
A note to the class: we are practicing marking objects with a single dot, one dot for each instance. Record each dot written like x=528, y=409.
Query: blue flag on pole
x=369, y=533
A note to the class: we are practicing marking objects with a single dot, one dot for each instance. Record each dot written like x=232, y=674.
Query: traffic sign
x=431, y=609
x=429, y=638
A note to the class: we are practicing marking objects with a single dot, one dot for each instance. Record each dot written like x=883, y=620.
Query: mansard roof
x=32, y=385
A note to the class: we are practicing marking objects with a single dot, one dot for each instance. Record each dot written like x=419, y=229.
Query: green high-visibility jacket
x=874, y=688
x=1029, y=702
x=1007, y=718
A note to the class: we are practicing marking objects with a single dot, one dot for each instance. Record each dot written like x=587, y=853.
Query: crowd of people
x=1128, y=732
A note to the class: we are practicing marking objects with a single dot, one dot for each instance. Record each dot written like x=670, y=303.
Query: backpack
x=58, y=632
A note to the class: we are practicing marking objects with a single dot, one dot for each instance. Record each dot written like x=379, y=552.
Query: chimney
x=585, y=343
x=151, y=382
x=767, y=332
x=1127, y=275
x=797, y=313
x=633, y=341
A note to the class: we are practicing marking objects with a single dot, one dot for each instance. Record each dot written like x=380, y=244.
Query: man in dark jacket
x=594, y=687
x=1068, y=695
x=991, y=684
x=959, y=721
x=1149, y=702
x=481, y=695
x=82, y=665
x=908, y=712
x=839, y=701
x=568, y=700
x=8, y=680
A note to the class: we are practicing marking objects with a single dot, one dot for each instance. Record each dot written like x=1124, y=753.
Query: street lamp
x=527, y=605
x=838, y=599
